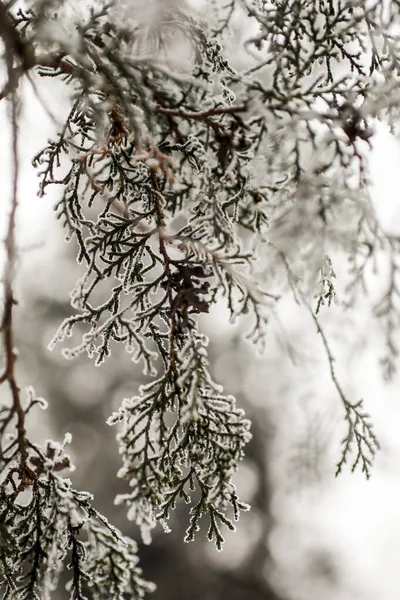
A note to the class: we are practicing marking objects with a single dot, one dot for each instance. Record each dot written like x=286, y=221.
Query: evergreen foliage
x=180, y=179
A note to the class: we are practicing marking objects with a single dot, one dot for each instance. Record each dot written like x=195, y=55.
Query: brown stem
x=202, y=115
x=13, y=44
x=167, y=264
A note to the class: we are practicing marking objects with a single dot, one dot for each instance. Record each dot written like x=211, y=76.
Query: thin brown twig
x=202, y=115
x=167, y=265
x=12, y=45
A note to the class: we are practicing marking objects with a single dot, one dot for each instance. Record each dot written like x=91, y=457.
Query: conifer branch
x=6, y=328
x=360, y=430
x=177, y=178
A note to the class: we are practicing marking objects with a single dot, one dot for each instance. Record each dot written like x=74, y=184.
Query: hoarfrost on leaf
x=185, y=181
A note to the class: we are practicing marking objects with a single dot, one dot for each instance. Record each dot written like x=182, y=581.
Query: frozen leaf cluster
x=47, y=526
x=181, y=176
x=182, y=438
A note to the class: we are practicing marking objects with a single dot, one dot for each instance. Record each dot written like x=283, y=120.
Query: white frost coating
x=165, y=525
x=33, y=399
x=67, y=439
x=142, y=513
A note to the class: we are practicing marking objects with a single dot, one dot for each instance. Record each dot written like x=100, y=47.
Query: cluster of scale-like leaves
x=46, y=526
x=182, y=437
x=180, y=176
x=154, y=198
x=167, y=173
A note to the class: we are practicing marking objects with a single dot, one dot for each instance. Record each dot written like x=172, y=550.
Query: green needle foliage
x=180, y=176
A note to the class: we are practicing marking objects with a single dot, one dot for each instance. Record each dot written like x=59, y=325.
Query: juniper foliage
x=180, y=179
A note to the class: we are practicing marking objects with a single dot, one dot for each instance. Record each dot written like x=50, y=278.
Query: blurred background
x=309, y=535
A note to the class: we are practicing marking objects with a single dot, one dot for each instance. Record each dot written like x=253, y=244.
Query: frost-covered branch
x=360, y=433
x=180, y=177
